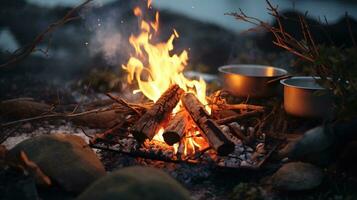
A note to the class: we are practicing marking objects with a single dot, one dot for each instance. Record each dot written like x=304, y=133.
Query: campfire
x=162, y=129
x=180, y=122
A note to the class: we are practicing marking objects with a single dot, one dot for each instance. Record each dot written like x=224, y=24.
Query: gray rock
x=22, y=108
x=314, y=146
x=297, y=176
x=66, y=159
x=136, y=183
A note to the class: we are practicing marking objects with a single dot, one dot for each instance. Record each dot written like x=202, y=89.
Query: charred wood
x=210, y=129
x=176, y=128
x=150, y=123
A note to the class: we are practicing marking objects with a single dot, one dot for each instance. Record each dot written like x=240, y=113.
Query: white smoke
x=110, y=32
x=108, y=41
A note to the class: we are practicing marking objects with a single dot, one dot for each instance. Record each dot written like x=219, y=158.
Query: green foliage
x=337, y=68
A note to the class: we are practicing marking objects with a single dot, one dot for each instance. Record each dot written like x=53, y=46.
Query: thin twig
x=239, y=116
x=350, y=30
x=53, y=116
x=23, y=52
x=123, y=102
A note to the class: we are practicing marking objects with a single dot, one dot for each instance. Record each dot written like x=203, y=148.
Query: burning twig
x=23, y=52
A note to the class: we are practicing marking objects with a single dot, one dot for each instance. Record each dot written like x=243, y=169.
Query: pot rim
x=223, y=69
x=316, y=87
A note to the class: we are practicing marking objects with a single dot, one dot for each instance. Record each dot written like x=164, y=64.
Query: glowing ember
x=155, y=69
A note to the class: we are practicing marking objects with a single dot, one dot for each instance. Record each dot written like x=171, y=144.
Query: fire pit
x=180, y=125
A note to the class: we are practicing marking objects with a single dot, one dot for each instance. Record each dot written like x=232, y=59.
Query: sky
x=213, y=10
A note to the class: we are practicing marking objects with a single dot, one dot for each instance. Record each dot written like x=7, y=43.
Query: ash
x=249, y=156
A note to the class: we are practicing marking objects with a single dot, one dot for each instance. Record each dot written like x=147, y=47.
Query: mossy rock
x=66, y=159
x=136, y=183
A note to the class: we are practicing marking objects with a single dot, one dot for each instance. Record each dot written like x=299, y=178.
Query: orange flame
x=155, y=68
x=137, y=12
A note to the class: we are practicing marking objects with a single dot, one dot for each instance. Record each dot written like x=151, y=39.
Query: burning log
x=150, y=123
x=210, y=129
x=176, y=128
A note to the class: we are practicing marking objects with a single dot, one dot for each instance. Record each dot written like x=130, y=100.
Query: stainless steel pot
x=302, y=99
x=251, y=80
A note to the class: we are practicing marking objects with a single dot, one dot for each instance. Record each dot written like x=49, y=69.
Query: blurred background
x=96, y=46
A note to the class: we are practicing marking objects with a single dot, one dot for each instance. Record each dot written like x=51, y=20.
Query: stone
x=297, y=176
x=66, y=159
x=314, y=147
x=23, y=108
x=136, y=183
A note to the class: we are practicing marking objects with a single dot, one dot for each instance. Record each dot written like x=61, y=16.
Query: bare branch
x=23, y=52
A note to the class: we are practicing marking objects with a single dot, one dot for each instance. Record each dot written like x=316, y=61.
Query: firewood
x=227, y=132
x=150, y=123
x=176, y=128
x=235, y=127
x=236, y=130
x=210, y=129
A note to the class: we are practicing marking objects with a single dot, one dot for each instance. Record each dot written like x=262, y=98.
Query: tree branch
x=23, y=52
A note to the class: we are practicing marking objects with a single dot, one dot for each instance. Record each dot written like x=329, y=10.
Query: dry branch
x=23, y=52
x=241, y=107
x=54, y=116
x=239, y=116
x=284, y=39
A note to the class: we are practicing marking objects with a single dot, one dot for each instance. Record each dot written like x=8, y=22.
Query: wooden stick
x=123, y=102
x=210, y=129
x=241, y=107
x=238, y=116
x=53, y=116
x=176, y=128
x=150, y=123
x=234, y=126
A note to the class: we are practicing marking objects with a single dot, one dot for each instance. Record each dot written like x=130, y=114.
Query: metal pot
x=302, y=99
x=251, y=80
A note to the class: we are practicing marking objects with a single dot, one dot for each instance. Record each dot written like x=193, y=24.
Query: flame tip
x=155, y=68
